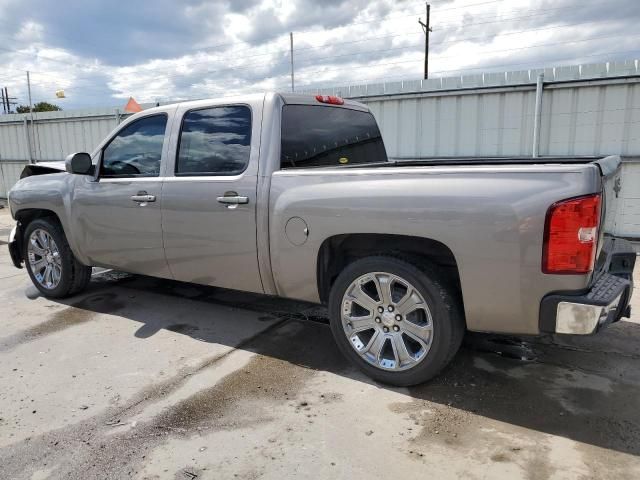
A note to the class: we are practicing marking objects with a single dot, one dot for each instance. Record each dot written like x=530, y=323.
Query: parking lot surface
x=145, y=378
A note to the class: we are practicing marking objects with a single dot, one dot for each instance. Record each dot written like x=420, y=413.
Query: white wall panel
x=586, y=110
x=9, y=174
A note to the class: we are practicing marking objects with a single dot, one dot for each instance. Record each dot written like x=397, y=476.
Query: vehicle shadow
x=586, y=390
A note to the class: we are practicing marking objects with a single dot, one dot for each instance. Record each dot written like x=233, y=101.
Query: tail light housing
x=571, y=235
x=330, y=99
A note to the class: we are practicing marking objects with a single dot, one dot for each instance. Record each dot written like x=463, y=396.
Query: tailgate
x=610, y=168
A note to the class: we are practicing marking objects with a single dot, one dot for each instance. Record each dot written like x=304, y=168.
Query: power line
x=491, y=51
x=304, y=64
x=444, y=27
x=191, y=64
x=305, y=73
x=315, y=59
x=529, y=64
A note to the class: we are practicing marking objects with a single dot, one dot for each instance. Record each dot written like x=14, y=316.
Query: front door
x=209, y=197
x=117, y=216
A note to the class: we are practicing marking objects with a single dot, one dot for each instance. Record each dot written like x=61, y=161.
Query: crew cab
x=294, y=196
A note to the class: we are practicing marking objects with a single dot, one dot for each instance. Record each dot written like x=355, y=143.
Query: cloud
x=102, y=53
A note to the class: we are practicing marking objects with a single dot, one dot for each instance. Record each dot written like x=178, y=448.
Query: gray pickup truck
x=294, y=196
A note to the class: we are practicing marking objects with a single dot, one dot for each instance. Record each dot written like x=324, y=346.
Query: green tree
x=39, y=107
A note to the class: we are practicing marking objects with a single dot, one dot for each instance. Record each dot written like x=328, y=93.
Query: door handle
x=143, y=197
x=233, y=199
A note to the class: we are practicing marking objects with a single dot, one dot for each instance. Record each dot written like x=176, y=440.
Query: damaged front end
x=42, y=168
x=15, y=250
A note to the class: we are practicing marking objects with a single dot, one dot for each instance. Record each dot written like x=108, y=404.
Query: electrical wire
x=286, y=51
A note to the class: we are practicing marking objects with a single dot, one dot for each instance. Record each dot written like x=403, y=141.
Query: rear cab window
x=322, y=136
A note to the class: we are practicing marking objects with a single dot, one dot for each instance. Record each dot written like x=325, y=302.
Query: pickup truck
x=294, y=196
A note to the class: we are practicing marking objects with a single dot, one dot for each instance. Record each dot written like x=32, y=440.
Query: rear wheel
x=50, y=262
x=399, y=323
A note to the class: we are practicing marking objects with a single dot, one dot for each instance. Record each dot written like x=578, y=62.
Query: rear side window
x=320, y=136
x=215, y=141
x=136, y=150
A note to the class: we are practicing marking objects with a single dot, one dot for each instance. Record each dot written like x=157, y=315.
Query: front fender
x=46, y=193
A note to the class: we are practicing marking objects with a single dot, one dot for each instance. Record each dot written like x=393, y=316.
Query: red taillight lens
x=571, y=235
x=331, y=99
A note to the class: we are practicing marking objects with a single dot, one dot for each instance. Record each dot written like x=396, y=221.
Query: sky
x=101, y=52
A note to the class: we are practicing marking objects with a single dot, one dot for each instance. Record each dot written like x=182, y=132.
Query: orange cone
x=132, y=106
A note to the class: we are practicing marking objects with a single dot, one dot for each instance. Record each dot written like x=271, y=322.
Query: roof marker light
x=330, y=99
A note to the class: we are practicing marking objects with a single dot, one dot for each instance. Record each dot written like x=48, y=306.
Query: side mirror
x=79, y=164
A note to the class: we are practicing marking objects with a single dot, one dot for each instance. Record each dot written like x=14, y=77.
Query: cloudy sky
x=100, y=52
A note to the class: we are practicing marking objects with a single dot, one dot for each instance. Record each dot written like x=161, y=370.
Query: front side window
x=136, y=150
x=319, y=136
x=215, y=141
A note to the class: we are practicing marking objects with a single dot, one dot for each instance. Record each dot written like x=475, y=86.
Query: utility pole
x=29, y=90
x=291, y=55
x=6, y=100
x=426, y=27
x=31, y=115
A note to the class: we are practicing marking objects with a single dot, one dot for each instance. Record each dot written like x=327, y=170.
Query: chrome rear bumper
x=606, y=301
x=581, y=319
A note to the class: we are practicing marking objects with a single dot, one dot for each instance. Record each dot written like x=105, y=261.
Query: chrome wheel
x=44, y=259
x=387, y=321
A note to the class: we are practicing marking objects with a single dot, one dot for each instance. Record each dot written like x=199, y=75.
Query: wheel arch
x=338, y=251
x=27, y=215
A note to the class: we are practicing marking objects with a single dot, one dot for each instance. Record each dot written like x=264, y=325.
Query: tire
x=68, y=276
x=436, y=321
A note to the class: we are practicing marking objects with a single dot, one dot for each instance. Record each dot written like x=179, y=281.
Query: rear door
x=209, y=195
x=117, y=215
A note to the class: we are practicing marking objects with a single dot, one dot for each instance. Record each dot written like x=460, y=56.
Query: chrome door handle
x=233, y=200
x=143, y=197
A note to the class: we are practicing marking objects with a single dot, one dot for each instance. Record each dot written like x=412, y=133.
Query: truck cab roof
x=287, y=98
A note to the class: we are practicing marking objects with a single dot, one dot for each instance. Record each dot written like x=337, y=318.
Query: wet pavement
x=145, y=378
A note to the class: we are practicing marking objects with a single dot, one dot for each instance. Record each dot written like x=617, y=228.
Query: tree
x=39, y=107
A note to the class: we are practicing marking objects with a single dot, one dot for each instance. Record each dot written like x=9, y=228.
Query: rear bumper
x=14, y=248
x=606, y=301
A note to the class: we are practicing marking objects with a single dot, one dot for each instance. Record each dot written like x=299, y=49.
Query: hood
x=43, y=168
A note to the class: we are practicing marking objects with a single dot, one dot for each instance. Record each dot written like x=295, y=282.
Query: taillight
x=571, y=235
x=331, y=99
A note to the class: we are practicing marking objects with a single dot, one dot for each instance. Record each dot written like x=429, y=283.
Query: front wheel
x=50, y=262
x=398, y=323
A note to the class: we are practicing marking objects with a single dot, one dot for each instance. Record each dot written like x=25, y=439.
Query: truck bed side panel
x=491, y=218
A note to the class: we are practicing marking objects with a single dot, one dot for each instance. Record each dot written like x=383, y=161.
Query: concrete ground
x=143, y=378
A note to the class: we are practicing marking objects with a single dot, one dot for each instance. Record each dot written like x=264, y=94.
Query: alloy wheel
x=387, y=321
x=44, y=259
